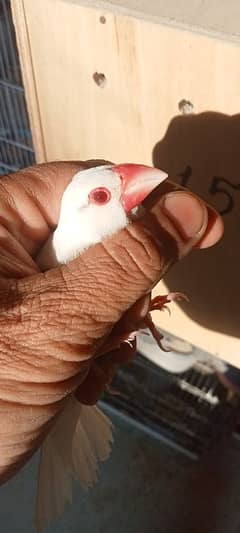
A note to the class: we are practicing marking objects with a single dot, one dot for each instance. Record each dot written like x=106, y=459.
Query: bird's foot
x=159, y=303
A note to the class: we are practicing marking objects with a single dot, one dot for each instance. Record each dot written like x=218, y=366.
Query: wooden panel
x=134, y=116
x=148, y=69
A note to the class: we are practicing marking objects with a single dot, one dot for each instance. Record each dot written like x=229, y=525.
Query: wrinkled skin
x=60, y=330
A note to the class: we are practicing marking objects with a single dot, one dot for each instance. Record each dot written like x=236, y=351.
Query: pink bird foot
x=159, y=303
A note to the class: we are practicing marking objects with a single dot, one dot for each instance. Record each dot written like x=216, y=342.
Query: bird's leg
x=159, y=303
x=154, y=331
x=146, y=327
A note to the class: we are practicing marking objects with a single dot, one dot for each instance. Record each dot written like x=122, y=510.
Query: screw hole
x=186, y=107
x=102, y=19
x=100, y=79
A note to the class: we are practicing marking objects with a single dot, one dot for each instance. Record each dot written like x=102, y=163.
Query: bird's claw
x=159, y=303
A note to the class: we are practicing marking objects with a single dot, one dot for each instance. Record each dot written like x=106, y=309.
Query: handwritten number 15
x=218, y=185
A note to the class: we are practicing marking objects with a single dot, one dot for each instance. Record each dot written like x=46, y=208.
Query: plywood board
x=134, y=116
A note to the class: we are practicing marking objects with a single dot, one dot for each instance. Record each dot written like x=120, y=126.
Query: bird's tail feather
x=81, y=437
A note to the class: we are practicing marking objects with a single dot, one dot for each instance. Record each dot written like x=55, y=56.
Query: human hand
x=54, y=324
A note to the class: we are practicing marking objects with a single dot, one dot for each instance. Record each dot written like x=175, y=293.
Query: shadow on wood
x=202, y=152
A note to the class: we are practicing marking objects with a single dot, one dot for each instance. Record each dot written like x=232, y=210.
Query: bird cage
x=191, y=411
x=16, y=149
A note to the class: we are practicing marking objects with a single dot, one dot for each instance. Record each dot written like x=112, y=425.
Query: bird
x=97, y=203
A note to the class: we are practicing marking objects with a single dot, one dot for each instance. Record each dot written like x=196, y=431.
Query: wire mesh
x=191, y=411
x=16, y=149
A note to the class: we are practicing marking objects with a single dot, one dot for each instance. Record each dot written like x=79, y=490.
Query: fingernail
x=186, y=212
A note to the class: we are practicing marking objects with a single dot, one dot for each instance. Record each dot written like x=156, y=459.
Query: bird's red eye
x=100, y=196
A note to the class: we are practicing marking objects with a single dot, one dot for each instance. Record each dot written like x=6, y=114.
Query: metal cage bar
x=16, y=149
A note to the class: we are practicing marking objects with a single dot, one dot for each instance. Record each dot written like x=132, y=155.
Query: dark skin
x=60, y=331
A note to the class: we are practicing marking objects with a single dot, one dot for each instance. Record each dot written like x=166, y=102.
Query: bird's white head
x=98, y=202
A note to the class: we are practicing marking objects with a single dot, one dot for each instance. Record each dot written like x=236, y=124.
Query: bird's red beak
x=138, y=181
